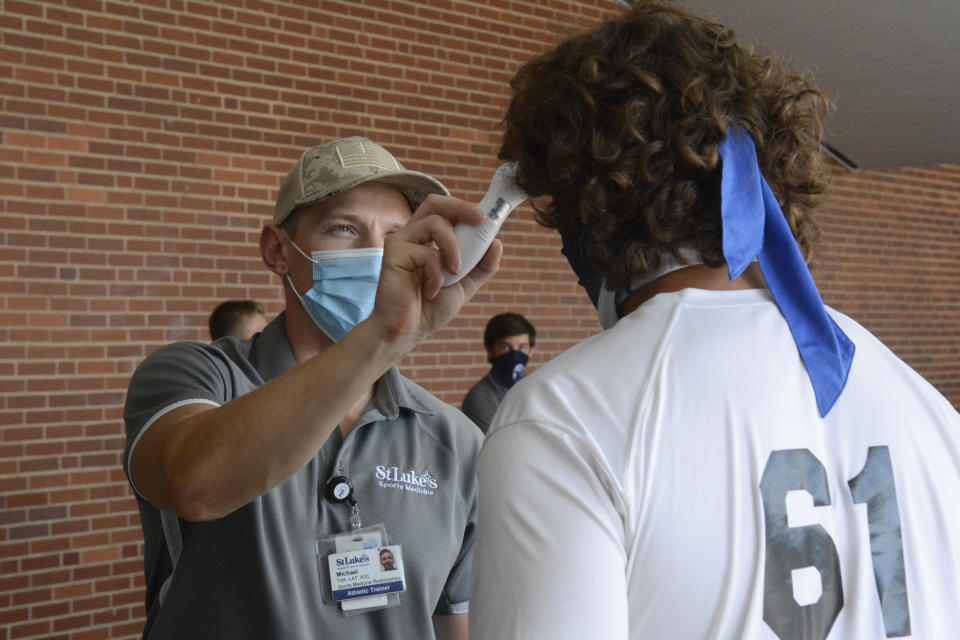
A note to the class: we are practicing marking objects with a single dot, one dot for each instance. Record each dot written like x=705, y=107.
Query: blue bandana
x=754, y=227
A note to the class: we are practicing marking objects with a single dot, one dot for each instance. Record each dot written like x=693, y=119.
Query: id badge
x=356, y=542
x=364, y=577
x=365, y=572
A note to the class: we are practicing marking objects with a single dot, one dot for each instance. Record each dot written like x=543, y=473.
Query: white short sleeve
x=550, y=560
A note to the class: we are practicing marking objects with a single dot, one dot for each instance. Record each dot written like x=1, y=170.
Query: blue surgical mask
x=508, y=367
x=344, y=288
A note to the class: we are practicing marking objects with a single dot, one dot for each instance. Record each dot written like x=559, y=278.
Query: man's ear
x=272, y=250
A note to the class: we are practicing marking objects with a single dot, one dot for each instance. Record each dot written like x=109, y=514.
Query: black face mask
x=508, y=367
x=574, y=249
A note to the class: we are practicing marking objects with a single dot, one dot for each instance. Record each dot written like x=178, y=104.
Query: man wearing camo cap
x=262, y=466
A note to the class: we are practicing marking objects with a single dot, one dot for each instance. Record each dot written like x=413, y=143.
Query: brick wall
x=142, y=143
x=891, y=259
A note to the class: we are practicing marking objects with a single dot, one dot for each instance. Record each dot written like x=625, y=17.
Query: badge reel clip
x=340, y=489
x=359, y=569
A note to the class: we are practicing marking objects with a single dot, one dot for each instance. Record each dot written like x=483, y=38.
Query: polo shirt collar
x=271, y=355
x=391, y=393
x=270, y=351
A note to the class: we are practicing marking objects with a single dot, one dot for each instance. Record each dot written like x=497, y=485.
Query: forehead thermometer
x=502, y=197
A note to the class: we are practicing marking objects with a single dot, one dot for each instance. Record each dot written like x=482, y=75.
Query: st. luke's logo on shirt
x=392, y=477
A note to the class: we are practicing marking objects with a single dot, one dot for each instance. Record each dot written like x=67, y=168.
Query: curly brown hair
x=619, y=126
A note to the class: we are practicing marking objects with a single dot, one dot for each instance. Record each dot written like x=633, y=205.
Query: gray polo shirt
x=481, y=402
x=254, y=573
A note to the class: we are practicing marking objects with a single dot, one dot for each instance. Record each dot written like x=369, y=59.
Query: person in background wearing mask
x=729, y=458
x=239, y=319
x=259, y=465
x=509, y=340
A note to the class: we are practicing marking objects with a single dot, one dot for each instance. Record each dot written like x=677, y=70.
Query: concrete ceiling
x=891, y=68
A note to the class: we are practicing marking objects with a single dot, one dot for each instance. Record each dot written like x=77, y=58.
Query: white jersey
x=671, y=478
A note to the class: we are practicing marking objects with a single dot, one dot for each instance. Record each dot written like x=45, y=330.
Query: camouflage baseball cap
x=331, y=168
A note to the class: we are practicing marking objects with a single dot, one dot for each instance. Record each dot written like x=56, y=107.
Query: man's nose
x=372, y=240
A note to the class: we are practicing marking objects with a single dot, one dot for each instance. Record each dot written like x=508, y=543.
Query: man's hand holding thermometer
x=502, y=197
x=414, y=293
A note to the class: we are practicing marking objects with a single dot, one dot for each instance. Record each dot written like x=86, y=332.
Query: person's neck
x=349, y=421
x=307, y=341
x=698, y=276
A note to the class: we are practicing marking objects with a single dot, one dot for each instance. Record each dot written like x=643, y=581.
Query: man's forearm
x=451, y=627
x=202, y=463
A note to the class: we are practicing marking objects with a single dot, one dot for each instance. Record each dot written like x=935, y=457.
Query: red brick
x=10, y=616
x=72, y=622
x=91, y=604
x=39, y=629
